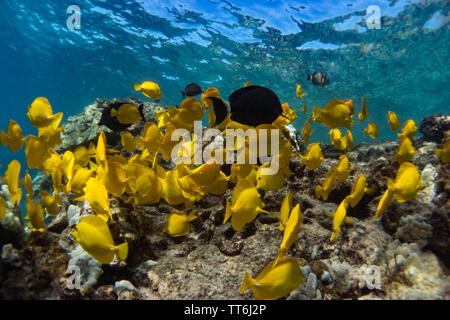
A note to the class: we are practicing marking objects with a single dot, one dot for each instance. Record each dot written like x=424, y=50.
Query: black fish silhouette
x=252, y=106
x=319, y=78
x=191, y=90
x=112, y=122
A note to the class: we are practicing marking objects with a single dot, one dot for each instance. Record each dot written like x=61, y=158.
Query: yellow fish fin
x=317, y=114
x=247, y=283
x=136, y=86
x=349, y=220
x=191, y=216
x=122, y=251
x=228, y=212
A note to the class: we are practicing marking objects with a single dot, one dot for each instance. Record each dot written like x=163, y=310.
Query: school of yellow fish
x=96, y=173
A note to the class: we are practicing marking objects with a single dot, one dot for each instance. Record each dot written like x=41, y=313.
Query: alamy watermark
x=373, y=20
x=250, y=145
x=74, y=279
x=73, y=22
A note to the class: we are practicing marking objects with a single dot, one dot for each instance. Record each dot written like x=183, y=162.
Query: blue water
x=403, y=66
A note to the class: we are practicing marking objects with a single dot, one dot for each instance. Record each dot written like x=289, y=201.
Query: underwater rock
x=435, y=128
x=411, y=273
x=90, y=269
x=414, y=228
x=84, y=128
x=125, y=290
x=440, y=238
x=11, y=227
x=10, y=256
x=40, y=271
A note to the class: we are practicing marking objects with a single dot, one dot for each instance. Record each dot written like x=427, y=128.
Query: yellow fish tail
x=122, y=251
x=247, y=283
x=191, y=216
x=136, y=86
x=15, y=197
x=334, y=235
x=114, y=112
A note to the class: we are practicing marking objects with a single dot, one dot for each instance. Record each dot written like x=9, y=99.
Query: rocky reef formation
x=403, y=255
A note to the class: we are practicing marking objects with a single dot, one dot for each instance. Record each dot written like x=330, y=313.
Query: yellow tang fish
x=207, y=103
x=337, y=113
x=68, y=164
x=247, y=84
x=245, y=205
x=269, y=182
x=444, y=153
x=177, y=223
x=97, y=196
x=80, y=178
x=304, y=108
x=171, y=190
x=126, y=114
x=113, y=178
x=409, y=129
x=393, y=121
x=337, y=140
x=348, y=141
x=405, y=150
x=339, y=216
x=358, y=190
x=286, y=207
x=276, y=280
x=306, y=132
x=100, y=155
x=291, y=230
x=12, y=180
x=28, y=184
x=148, y=189
x=13, y=138
x=384, y=203
x=314, y=156
x=128, y=141
x=149, y=89
x=364, y=113
x=93, y=235
x=51, y=134
x=219, y=185
x=2, y=208
x=50, y=202
x=35, y=214
x=298, y=91
x=41, y=114
x=324, y=190
x=343, y=168
x=37, y=153
x=407, y=183
x=371, y=130
x=83, y=155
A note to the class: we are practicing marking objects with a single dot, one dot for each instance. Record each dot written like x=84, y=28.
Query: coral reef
x=403, y=255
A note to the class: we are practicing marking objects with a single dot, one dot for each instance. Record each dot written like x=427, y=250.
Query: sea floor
x=405, y=254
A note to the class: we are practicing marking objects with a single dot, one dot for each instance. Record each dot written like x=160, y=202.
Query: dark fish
x=111, y=122
x=319, y=78
x=191, y=90
x=252, y=106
